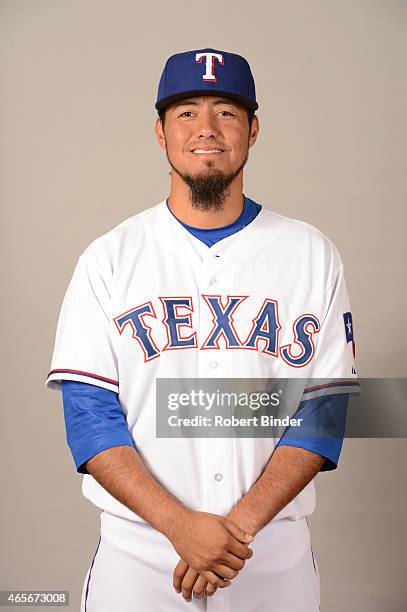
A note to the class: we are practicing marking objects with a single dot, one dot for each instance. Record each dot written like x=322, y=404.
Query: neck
x=181, y=206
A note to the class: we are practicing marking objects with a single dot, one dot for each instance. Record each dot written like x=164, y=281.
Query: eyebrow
x=184, y=102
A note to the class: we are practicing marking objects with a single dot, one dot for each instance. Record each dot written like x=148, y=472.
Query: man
x=207, y=284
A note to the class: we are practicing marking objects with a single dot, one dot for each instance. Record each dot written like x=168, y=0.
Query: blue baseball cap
x=206, y=72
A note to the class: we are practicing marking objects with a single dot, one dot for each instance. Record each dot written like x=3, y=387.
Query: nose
x=207, y=125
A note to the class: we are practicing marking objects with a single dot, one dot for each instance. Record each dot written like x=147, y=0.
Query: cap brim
x=246, y=101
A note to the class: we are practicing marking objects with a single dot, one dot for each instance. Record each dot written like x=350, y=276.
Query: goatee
x=209, y=188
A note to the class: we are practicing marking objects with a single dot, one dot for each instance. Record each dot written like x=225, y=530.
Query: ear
x=159, y=132
x=254, y=131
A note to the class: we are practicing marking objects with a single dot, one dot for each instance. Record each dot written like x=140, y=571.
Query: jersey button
x=213, y=365
x=218, y=477
x=213, y=281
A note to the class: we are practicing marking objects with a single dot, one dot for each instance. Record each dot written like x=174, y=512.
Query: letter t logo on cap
x=210, y=64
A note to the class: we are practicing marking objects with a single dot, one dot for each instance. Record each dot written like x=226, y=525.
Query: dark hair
x=250, y=115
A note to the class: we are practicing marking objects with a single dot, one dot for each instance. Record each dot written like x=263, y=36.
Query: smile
x=206, y=152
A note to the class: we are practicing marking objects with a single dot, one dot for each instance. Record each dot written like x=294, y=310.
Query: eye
x=227, y=113
x=185, y=113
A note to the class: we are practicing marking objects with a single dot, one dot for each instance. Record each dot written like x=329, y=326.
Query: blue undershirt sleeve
x=322, y=429
x=94, y=421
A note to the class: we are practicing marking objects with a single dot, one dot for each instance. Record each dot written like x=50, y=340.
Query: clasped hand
x=213, y=550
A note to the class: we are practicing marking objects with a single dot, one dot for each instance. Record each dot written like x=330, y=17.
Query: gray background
x=78, y=155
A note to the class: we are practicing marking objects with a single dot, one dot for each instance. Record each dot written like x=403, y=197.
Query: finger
x=233, y=562
x=179, y=573
x=198, y=590
x=215, y=580
x=224, y=571
x=239, y=550
x=188, y=582
x=237, y=533
x=210, y=589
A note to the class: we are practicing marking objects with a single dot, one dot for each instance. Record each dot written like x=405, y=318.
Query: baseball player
x=206, y=284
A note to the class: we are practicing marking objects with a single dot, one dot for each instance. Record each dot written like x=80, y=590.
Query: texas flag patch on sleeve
x=347, y=319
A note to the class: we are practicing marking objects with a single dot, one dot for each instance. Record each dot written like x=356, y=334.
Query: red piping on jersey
x=332, y=384
x=115, y=382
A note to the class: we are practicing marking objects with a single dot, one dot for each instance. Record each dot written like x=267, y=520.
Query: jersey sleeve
x=333, y=368
x=83, y=349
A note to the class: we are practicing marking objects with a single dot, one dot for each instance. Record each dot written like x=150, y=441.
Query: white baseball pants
x=132, y=571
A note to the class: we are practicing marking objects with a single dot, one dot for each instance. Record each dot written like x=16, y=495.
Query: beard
x=209, y=188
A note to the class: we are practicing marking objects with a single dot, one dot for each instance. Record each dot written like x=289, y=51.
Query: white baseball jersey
x=148, y=300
